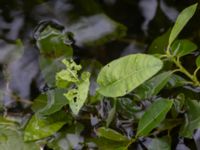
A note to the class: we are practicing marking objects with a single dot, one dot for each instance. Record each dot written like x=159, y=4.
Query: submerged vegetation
x=126, y=104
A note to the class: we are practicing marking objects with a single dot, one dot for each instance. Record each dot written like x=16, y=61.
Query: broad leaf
x=56, y=101
x=125, y=74
x=153, y=86
x=181, y=21
x=198, y=61
x=77, y=97
x=110, y=134
x=182, y=47
x=13, y=140
x=169, y=124
x=163, y=143
x=192, y=120
x=153, y=116
x=40, y=127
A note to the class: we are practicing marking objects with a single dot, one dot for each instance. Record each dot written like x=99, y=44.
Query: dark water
x=20, y=76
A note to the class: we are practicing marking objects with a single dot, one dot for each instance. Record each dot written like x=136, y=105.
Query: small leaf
x=182, y=47
x=159, y=45
x=198, y=61
x=163, y=143
x=40, y=127
x=153, y=116
x=125, y=74
x=77, y=97
x=110, y=134
x=181, y=21
x=175, y=81
x=153, y=86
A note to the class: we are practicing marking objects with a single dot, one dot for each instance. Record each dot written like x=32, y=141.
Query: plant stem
x=129, y=144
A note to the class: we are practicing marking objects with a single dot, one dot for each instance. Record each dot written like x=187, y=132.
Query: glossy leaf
x=153, y=86
x=125, y=74
x=198, y=61
x=181, y=21
x=192, y=120
x=159, y=45
x=77, y=97
x=153, y=116
x=13, y=140
x=182, y=47
x=163, y=143
x=110, y=134
x=40, y=127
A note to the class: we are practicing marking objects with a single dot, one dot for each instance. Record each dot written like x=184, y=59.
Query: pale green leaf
x=163, y=143
x=77, y=97
x=153, y=86
x=13, y=140
x=182, y=47
x=181, y=21
x=153, y=116
x=125, y=74
x=110, y=134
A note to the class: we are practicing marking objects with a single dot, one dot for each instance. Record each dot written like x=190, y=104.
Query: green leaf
x=153, y=86
x=175, y=81
x=182, y=47
x=198, y=61
x=56, y=101
x=192, y=119
x=153, y=116
x=169, y=124
x=110, y=134
x=77, y=97
x=121, y=76
x=11, y=139
x=181, y=21
x=159, y=45
x=163, y=143
x=40, y=102
x=52, y=43
x=40, y=127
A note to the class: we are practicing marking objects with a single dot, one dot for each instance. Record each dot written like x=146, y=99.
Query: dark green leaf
x=110, y=134
x=198, y=61
x=181, y=21
x=175, y=81
x=153, y=86
x=125, y=74
x=159, y=45
x=153, y=116
x=182, y=47
x=192, y=119
x=169, y=124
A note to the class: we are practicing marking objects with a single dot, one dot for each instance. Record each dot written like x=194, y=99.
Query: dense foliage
x=84, y=97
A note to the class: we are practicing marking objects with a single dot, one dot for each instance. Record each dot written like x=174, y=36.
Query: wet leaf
x=159, y=45
x=40, y=127
x=163, y=143
x=110, y=134
x=181, y=21
x=77, y=97
x=125, y=74
x=182, y=47
x=192, y=119
x=153, y=86
x=198, y=61
x=153, y=116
